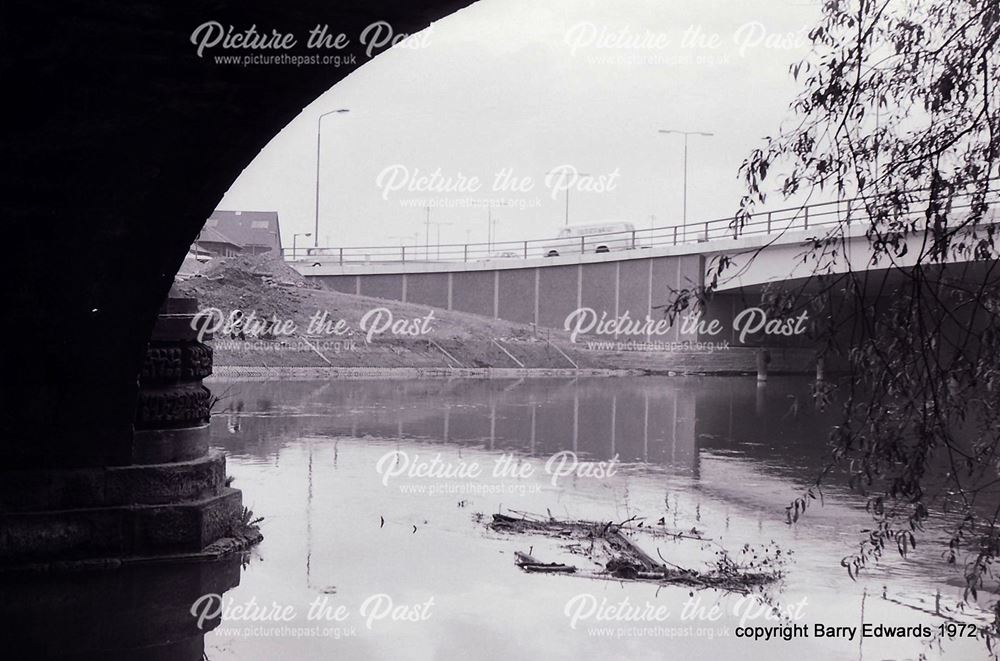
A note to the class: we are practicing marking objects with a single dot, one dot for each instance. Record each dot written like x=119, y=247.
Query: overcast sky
x=526, y=86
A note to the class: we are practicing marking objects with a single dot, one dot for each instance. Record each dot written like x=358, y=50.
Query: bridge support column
x=171, y=498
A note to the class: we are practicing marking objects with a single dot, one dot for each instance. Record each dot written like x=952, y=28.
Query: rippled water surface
x=416, y=574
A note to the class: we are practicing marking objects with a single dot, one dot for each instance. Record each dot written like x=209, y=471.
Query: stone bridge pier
x=168, y=497
x=121, y=142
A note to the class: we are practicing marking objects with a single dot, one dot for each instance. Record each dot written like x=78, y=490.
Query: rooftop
x=244, y=228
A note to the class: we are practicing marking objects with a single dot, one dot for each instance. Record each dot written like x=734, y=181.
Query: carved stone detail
x=177, y=406
x=187, y=362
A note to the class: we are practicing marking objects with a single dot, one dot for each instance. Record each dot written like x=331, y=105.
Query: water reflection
x=137, y=611
x=664, y=421
x=719, y=454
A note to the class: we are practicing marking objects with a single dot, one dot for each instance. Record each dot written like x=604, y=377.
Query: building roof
x=244, y=228
x=213, y=235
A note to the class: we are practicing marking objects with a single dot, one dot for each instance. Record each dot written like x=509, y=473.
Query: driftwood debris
x=609, y=546
x=527, y=562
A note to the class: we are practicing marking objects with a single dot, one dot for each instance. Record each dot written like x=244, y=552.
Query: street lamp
x=295, y=238
x=438, y=247
x=319, y=133
x=491, y=230
x=686, y=134
x=427, y=235
x=576, y=176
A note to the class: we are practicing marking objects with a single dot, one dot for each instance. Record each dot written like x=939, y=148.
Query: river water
x=372, y=552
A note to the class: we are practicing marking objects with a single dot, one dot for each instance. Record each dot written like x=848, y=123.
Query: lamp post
x=686, y=134
x=576, y=176
x=438, y=224
x=295, y=247
x=491, y=230
x=319, y=134
x=427, y=236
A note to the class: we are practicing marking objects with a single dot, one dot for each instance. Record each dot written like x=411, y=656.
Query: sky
x=501, y=94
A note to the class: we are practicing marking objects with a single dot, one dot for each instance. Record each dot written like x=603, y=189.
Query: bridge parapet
x=688, y=238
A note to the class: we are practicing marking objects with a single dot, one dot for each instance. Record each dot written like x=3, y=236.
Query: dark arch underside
x=118, y=141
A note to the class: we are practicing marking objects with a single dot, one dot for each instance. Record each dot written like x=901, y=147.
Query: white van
x=607, y=236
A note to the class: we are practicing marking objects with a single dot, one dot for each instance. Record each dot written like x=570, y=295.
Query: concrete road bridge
x=633, y=273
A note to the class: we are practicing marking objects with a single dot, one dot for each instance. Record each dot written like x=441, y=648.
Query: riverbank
x=316, y=333
x=249, y=373
x=678, y=362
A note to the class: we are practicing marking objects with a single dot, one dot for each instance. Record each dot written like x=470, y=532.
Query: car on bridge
x=606, y=236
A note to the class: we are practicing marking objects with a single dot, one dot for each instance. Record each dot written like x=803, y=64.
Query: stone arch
x=119, y=141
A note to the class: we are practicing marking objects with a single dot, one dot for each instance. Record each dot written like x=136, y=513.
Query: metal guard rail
x=819, y=215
